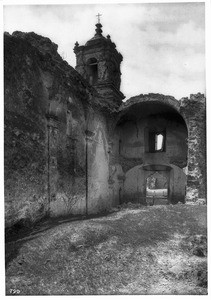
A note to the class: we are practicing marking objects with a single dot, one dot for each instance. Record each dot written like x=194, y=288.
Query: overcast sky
x=163, y=45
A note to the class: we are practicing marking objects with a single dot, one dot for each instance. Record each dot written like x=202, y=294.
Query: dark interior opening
x=92, y=70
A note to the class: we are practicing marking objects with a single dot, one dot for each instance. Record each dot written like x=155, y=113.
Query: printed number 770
x=14, y=291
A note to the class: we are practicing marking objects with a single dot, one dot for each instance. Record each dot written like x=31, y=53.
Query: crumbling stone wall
x=194, y=111
x=47, y=104
x=25, y=152
x=63, y=154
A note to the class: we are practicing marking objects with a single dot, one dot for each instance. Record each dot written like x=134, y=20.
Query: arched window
x=92, y=70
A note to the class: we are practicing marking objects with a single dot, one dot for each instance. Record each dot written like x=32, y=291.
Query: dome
x=98, y=37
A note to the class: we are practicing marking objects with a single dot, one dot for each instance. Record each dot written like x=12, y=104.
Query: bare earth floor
x=145, y=250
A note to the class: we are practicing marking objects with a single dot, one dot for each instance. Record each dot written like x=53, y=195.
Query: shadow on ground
x=16, y=236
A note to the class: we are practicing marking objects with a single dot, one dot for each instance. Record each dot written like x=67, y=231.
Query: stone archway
x=151, y=133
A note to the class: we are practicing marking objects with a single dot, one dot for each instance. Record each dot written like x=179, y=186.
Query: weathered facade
x=73, y=147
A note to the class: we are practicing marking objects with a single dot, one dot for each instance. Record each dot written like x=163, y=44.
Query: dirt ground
x=146, y=250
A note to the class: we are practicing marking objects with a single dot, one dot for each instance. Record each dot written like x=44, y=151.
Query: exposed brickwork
x=37, y=85
x=194, y=111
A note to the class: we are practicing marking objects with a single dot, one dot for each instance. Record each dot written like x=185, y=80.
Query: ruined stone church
x=73, y=147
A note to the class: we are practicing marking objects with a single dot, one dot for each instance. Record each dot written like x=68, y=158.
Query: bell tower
x=98, y=61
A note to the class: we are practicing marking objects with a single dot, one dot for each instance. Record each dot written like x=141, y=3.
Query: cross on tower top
x=98, y=17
